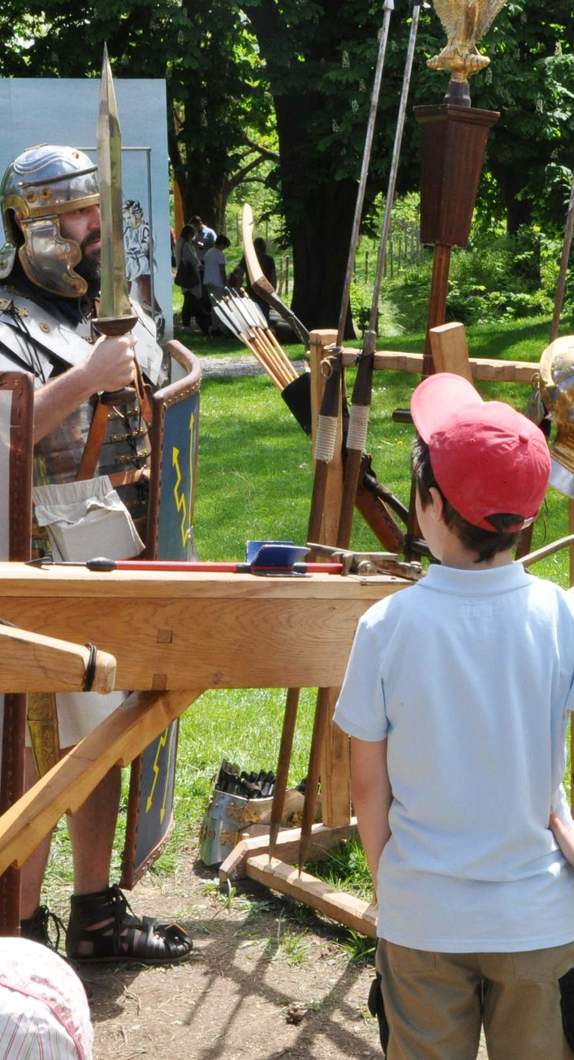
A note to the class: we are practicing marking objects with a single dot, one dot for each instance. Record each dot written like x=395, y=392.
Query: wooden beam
x=117, y=740
x=168, y=631
x=323, y=838
x=483, y=369
x=345, y=908
x=32, y=662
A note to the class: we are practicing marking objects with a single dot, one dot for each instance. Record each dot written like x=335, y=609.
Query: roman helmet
x=42, y=183
x=557, y=392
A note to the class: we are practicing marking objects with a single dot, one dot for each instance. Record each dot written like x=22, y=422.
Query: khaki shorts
x=436, y=1003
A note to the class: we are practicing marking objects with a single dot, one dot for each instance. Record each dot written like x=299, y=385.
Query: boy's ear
x=437, y=503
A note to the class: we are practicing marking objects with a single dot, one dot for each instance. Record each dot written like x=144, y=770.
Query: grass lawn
x=255, y=477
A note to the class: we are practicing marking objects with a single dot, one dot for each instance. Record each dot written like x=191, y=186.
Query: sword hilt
x=113, y=327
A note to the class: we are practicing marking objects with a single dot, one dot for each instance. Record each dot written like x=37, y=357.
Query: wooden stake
x=287, y=733
x=322, y=711
x=347, y=909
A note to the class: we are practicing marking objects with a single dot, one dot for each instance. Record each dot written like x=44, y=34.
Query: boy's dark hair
x=485, y=544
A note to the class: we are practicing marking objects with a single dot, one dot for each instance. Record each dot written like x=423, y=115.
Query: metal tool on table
x=369, y=564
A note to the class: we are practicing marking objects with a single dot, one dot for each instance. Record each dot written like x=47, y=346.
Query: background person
x=203, y=236
x=188, y=278
x=215, y=276
x=215, y=266
x=456, y=697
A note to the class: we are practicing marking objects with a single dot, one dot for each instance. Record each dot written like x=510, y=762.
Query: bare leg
x=34, y=868
x=92, y=830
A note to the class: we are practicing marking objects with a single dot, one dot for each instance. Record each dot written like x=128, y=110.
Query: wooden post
x=335, y=774
x=177, y=208
x=450, y=351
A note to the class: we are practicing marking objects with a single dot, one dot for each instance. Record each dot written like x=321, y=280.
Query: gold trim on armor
x=26, y=212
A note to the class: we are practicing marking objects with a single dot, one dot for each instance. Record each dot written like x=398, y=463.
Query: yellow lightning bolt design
x=160, y=746
x=180, y=500
x=166, y=785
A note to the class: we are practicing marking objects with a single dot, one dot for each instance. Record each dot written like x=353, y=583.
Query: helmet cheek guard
x=48, y=260
x=41, y=184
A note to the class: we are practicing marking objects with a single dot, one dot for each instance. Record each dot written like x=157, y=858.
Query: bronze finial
x=465, y=22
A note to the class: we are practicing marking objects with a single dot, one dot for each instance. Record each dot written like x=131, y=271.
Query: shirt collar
x=475, y=582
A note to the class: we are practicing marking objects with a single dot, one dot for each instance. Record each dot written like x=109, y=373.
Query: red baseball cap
x=486, y=458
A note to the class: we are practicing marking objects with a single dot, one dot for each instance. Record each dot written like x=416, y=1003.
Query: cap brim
x=437, y=398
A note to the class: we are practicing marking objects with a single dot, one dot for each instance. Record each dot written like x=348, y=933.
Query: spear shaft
x=362, y=391
x=388, y=8
x=327, y=425
x=327, y=432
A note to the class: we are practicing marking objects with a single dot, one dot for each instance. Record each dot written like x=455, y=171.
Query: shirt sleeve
x=569, y=654
x=360, y=708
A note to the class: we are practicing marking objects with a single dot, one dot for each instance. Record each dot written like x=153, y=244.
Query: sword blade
x=114, y=299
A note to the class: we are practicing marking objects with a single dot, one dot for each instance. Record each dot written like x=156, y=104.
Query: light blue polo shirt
x=469, y=676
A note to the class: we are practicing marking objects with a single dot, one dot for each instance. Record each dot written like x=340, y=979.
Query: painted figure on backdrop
x=138, y=251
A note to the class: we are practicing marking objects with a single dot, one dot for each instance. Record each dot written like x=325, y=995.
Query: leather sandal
x=103, y=927
x=37, y=928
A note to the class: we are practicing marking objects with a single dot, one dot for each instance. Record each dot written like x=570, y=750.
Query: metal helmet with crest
x=40, y=185
x=557, y=392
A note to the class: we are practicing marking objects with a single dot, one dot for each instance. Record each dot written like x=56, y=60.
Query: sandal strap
x=123, y=936
x=37, y=927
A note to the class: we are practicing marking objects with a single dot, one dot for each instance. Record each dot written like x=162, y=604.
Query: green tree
x=224, y=60
x=218, y=109
x=531, y=83
x=319, y=59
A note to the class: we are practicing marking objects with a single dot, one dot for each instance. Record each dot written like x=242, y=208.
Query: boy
x=456, y=697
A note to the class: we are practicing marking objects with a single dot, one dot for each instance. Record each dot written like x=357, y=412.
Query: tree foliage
x=218, y=108
x=224, y=60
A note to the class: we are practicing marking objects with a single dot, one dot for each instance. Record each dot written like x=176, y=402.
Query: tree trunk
x=511, y=181
x=320, y=249
x=318, y=204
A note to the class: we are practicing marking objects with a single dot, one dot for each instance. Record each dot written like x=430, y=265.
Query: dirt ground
x=267, y=980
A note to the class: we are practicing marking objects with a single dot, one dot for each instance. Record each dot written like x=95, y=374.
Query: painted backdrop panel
x=38, y=110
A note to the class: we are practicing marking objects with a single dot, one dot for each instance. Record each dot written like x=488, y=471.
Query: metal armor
x=42, y=183
x=557, y=392
x=37, y=338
